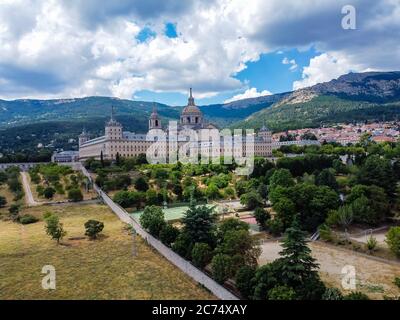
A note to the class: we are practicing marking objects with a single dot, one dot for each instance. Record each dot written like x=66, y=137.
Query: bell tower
x=154, y=121
x=113, y=130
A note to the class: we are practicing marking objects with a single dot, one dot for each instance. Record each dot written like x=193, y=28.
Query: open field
x=101, y=269
x=374, y=278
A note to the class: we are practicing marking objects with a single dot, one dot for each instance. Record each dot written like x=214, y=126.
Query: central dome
x=191, y=108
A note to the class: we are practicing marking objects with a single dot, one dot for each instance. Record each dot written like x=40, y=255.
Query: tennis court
x=170, y=214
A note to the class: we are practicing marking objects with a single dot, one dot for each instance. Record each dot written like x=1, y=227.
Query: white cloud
x=326, y=67
x=292, y=62
x=59, y=48
x=249, y=93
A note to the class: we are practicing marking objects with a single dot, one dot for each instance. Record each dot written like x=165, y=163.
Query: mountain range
x=351, y=97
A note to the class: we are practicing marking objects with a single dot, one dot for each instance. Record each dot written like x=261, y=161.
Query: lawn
x=101, y=269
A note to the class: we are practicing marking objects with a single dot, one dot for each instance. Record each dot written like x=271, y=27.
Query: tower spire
x=191, y=99
x=112, y=112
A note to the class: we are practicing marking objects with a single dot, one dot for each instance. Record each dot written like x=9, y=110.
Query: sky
x=154, y=50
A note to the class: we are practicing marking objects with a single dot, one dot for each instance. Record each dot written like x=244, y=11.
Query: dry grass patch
x=101, y=269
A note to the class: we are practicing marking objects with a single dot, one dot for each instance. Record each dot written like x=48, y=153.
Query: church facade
x=128, y=144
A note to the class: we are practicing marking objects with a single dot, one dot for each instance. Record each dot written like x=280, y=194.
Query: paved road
x=28, y=192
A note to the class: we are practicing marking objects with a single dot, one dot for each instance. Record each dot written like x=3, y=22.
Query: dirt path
x=28, y=192
x=374, y=278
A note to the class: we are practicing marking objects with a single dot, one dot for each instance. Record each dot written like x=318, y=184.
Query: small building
x=65, y=156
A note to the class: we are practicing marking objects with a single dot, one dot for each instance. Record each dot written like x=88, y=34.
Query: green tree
x=327, y=178
x=141, y=184
x=281, y=177
x=378, y=171
x=393, y=240
x=201, y=254
x=221, y=266
x=54, y=228
x=285, y=211
x=75, y=195
x=93, y=228
x=153, y=220
x=212, y=192
x=151, y=197
x=251, y=200
x=199, y=224
x=262, y=217
x=49, y=192
x=298, y=266
x=241, y=246
x=245, y=281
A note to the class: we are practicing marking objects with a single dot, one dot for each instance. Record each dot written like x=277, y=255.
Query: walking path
x=373, y=275
x=28, y=192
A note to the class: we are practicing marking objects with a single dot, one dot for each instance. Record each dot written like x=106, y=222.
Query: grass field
x=101, y=269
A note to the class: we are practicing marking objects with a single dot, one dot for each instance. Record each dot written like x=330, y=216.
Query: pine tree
x=297, y=267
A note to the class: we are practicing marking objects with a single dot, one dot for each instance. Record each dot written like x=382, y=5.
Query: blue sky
x=154, y=50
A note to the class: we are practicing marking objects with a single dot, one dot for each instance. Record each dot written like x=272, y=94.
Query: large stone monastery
x=129, y=144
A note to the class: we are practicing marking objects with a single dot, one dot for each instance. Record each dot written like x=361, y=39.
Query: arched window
x=188, y=119
x=156, y=123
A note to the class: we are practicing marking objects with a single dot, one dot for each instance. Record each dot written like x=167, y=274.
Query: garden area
x=58, y=183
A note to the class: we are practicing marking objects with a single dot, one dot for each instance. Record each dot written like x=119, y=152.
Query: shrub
x=75, y=195
x=371, y=243
x=183, y=245
x=221, y=266
x=356, y=296
x=14, y=211
x=40, y=190
x=201, y=254
x=244, y=281
x=93, y=228
x=393, y=240
x=3, y=201
x=168, y=234
x=28, y=219
x=281, y=293
x=49, y=192
x=332, y=294
x=325, y=232
x=397, y=282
